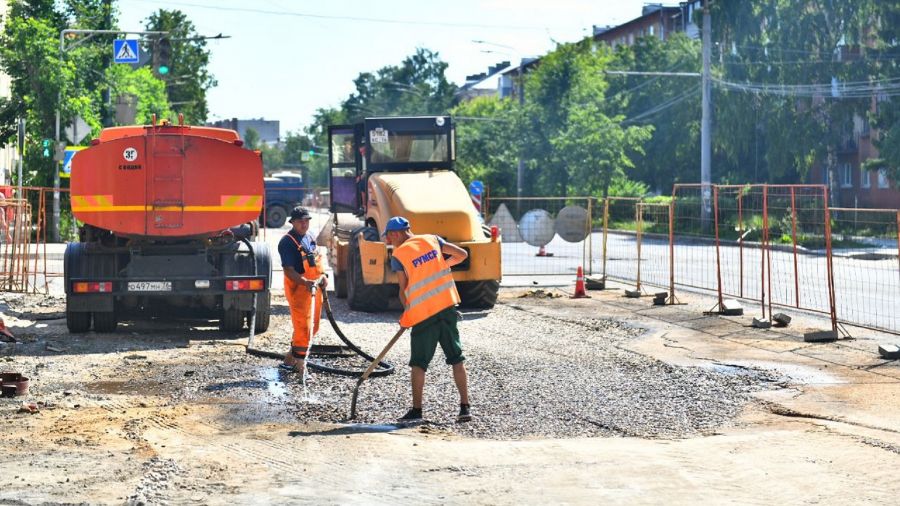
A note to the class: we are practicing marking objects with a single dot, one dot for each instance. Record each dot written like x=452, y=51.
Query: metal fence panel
x=694, y=239
x=866, y=258
x=619, y=251
x=653, y=244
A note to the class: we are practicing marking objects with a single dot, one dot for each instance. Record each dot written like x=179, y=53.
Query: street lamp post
x=520, y=170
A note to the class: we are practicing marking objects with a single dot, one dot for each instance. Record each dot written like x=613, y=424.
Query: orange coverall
x=298, y=297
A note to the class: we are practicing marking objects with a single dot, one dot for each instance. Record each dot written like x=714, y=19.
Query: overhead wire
x=663, y=106
x=849, y=89
x=766, y=49
x=445, y=24
x=645, y=83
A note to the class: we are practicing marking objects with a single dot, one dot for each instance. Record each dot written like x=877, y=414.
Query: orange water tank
x=166, y=181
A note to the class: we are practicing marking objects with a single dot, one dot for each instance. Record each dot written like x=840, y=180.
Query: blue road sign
x=125, y=51
x=66, y=170
x=476, y=187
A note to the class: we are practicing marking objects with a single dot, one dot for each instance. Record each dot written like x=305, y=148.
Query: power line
x=853, y=89
x=811, y=62
x=364, y=19
x=650, y=73
x=766, y=49
x=648, y=82
x=692, y=92
x=478, y=118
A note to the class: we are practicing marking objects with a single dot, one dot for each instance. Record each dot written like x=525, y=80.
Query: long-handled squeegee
x=371, y=368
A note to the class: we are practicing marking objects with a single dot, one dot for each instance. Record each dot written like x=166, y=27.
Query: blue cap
x=395, y=224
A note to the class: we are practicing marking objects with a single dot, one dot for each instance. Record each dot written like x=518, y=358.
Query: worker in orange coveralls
x=303, y=269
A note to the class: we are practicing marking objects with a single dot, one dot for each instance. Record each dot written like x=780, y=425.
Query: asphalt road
x=867, y=286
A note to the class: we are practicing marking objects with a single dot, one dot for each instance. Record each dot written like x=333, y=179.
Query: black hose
x=255, y=273
x=384, y=368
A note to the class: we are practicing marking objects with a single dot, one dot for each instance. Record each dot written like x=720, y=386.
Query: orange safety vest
x=430, y=288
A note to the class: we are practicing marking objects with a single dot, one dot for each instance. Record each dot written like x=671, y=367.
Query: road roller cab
x=402, y=166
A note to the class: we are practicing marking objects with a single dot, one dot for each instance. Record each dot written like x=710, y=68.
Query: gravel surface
x=530, y=375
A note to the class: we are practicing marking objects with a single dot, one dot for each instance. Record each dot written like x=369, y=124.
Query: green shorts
x=440, y=328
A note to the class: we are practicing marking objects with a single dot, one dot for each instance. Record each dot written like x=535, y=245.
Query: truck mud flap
x=89, y=303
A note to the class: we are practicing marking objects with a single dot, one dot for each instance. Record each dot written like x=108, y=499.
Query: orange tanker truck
x=168, y=225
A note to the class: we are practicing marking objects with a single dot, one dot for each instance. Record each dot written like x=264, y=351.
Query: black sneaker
x=464, y=415
x=413, y=415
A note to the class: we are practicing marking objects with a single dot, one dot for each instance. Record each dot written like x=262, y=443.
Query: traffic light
x=165, y=56
x=46, y=144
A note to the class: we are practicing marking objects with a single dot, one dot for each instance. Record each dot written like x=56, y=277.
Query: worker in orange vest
x=302, y=271
x=429, y=299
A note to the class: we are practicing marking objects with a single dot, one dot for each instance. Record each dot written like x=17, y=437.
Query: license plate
x=149, y=286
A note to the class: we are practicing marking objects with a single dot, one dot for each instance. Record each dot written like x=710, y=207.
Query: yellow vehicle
x=402, y=166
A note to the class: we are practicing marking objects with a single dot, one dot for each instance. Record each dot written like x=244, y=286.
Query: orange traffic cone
x=5, y=331
x=543, y=253
x=579, y=285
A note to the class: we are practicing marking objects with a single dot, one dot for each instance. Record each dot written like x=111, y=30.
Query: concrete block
x=594, y=283
x=659, y=301
x=761, y=323
x=820, y=336
x=781, y=319
x=661, y=295
x=633, y=294
x=889, y=351
x=731, y=307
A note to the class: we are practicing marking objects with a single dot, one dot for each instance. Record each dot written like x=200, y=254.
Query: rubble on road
x=531, y=375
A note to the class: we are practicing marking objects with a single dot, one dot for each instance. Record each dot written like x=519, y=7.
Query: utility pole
x=20, y=141
x=520, y=171
x=705, y=128
x=106, y=109
x=705, y=143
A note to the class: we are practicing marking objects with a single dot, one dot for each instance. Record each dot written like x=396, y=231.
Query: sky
x=286, y=58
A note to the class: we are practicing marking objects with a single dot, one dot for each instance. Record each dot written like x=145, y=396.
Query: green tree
x=273, y=157
x=485, y=143
x=142, y=84
x=188, y=79
x=42, y=81
x=777, y=133
x=317, y=135
x=670, y=104
x=886, y=116
x=417, y=86
x=251, y=139
x=572, y=143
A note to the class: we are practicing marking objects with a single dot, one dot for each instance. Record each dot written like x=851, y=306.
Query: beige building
x=8, y=158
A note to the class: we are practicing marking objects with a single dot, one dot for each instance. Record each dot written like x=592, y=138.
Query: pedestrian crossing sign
x=66, y=166
x=125, y=51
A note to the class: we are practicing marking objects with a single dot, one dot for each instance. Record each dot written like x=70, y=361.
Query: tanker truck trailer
x=168, y=227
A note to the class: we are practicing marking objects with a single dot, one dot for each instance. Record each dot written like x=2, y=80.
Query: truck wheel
x=340, y=285
x=362, y=297
x=78, y=322
x=232, y=320
x=105, y=321
x=276, y=216
x=478, y=294
x=263, y=312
